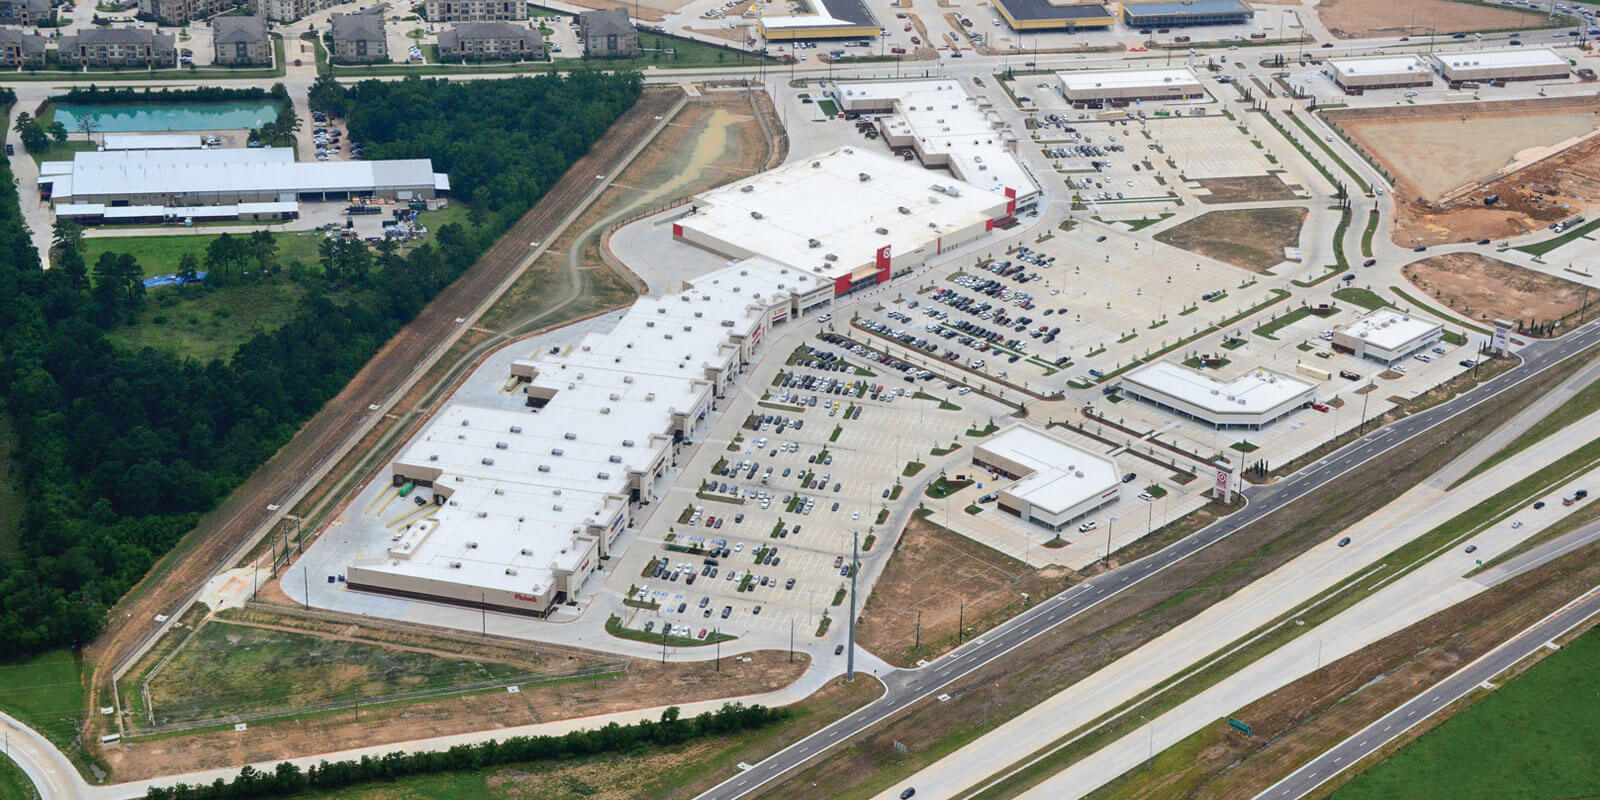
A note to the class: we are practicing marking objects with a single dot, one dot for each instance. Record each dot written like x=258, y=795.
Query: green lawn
x=615, y=627
x=1578, y=406
x=206, y=323
x=13, y=784
x=1540, y=248
x=62, y=151
x=1365, y=298
x=1535, y=738
x=1266, y=330
x=159, y=255
x=46, y=692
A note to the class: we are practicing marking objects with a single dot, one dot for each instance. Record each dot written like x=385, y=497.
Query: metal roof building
x=1386, y=335
x=828, y=19
x=1033, y=15
x=1123, y=86
x=1185, y=13
x=227, y=176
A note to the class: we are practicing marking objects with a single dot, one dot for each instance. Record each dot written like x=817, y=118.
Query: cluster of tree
x=503, y=142
x=118, y=453
x=35, y=136
x=288, y=779
x=204, y=94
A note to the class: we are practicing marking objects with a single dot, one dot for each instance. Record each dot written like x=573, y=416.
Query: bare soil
x=1442, y=175
x=1252, y=238
x=647, y=10
x=1360, y=19
x=1244, y=189
x=942, y=579
x=213, y=541
x=645, y=684
x=1484, y=288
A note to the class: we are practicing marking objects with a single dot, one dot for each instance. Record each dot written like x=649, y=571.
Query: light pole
x=1110, y=524
x=855, y=568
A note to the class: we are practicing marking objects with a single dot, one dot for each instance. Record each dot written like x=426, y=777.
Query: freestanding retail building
x=1386, y=336
x=1252, y=400
x=1054, y=482
x=1357, y=75
x=1120, y=87
x=1501, y=66
x=1186, y=13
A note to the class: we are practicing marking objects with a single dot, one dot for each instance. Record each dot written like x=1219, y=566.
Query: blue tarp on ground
x=170, y=280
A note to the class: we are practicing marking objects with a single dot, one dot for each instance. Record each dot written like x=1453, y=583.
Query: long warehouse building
x=851, y=217
x=520, y=503
x=827, y=19
x=1044, y=15
x=1186, y=13
x=1358, y=75
x=198, y=177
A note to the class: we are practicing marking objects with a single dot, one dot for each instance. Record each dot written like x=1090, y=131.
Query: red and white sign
x=882, y=263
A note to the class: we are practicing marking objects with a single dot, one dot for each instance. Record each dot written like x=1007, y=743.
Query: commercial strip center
x=516, y=503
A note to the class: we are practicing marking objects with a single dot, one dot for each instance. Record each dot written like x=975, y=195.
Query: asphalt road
x=906, y=687
x=1408, y=715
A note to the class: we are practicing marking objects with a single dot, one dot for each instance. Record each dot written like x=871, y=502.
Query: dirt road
x=220, y=536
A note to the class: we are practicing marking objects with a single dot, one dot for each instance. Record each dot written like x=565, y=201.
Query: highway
x=906, y=687
x=1345, y=754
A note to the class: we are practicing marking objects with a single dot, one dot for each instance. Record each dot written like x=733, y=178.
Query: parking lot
x=764, y=540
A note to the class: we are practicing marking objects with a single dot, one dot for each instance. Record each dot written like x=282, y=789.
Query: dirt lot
x=1476, y=140
x=939, y=577
x=645, y=683
x=1250, y=238
x=647, y=10
x=1359, y=19
x=1244, y=189
x=1485, y=288
x=211, y=544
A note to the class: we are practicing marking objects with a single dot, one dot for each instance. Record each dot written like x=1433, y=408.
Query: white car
x=1088, y=526
x=824, y=317
x=857, y=515
x=1517, y=524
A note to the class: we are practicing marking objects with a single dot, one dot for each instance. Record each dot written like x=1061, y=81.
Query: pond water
x=146, y=117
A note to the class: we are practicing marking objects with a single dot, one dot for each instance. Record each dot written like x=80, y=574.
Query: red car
x=1320, y=407
x=1369, y=262
x=702, y=634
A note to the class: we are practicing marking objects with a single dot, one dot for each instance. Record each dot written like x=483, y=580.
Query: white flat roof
x=525, y=483
x=1127, y=79
x=151, y=141
x=224, y=171
x=947, y=121
x=1063, y=476
x=1254, y=392
x=824, y=198
x=1510, y=57
x=1389, y=329
x=1379, y=65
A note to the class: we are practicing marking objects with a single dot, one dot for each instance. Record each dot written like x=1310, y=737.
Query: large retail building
x=1119, y=87
x=1500, y=66
x=1251, y=400
x=1054, y=482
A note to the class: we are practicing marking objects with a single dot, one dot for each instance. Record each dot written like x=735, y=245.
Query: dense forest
x=119, y=452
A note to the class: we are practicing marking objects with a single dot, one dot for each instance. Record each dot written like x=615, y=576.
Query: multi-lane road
x=1367, y=740
x=906, y=687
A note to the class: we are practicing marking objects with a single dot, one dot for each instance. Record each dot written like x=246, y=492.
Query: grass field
x=62, y=151
x=1534, y=738
x=1366, y=298
x=46, y=692
x=227, y=669
x=208, y=323
x=1253, y=239
x=1584, y=402
x=13, y=784
x=159, y=255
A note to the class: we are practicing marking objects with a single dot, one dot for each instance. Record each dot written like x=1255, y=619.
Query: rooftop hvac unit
x=649, y=397
x=627, y=379
x=544, y=467
x=556, y=507
x=1079, y=474
x=816, y=165
x=556, y=492
x=698, y=315
x=756, y=215
x=615, y=459
x=615, y=397
x=473, y=545
x=627, y=442
x=527, y=551
x=488, y=462
x=455, y=565
x=649, y=323
x=461, y=437
x=516, y=429
x=603, y=475
x=511, y=570
x=728, y=323
x=747, y=188
x=481, y=514
x=831, y=257
x=569, y=436
x=666, y=336
x=556, y=451
x=465, y=423
x=433, y=457
x=905, y=210
x=813, y=243
x=883, y=231
x=501, y=445
x=605, y=409
x=687, y=329
x=863, y=177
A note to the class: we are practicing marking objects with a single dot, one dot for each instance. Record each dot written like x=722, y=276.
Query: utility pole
x=717, y=635
x=305, y=581
x=791, y=643
x=855, y=569
x=664, y=644
x=483, y=613
x=918, y=645
x=961, y=623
